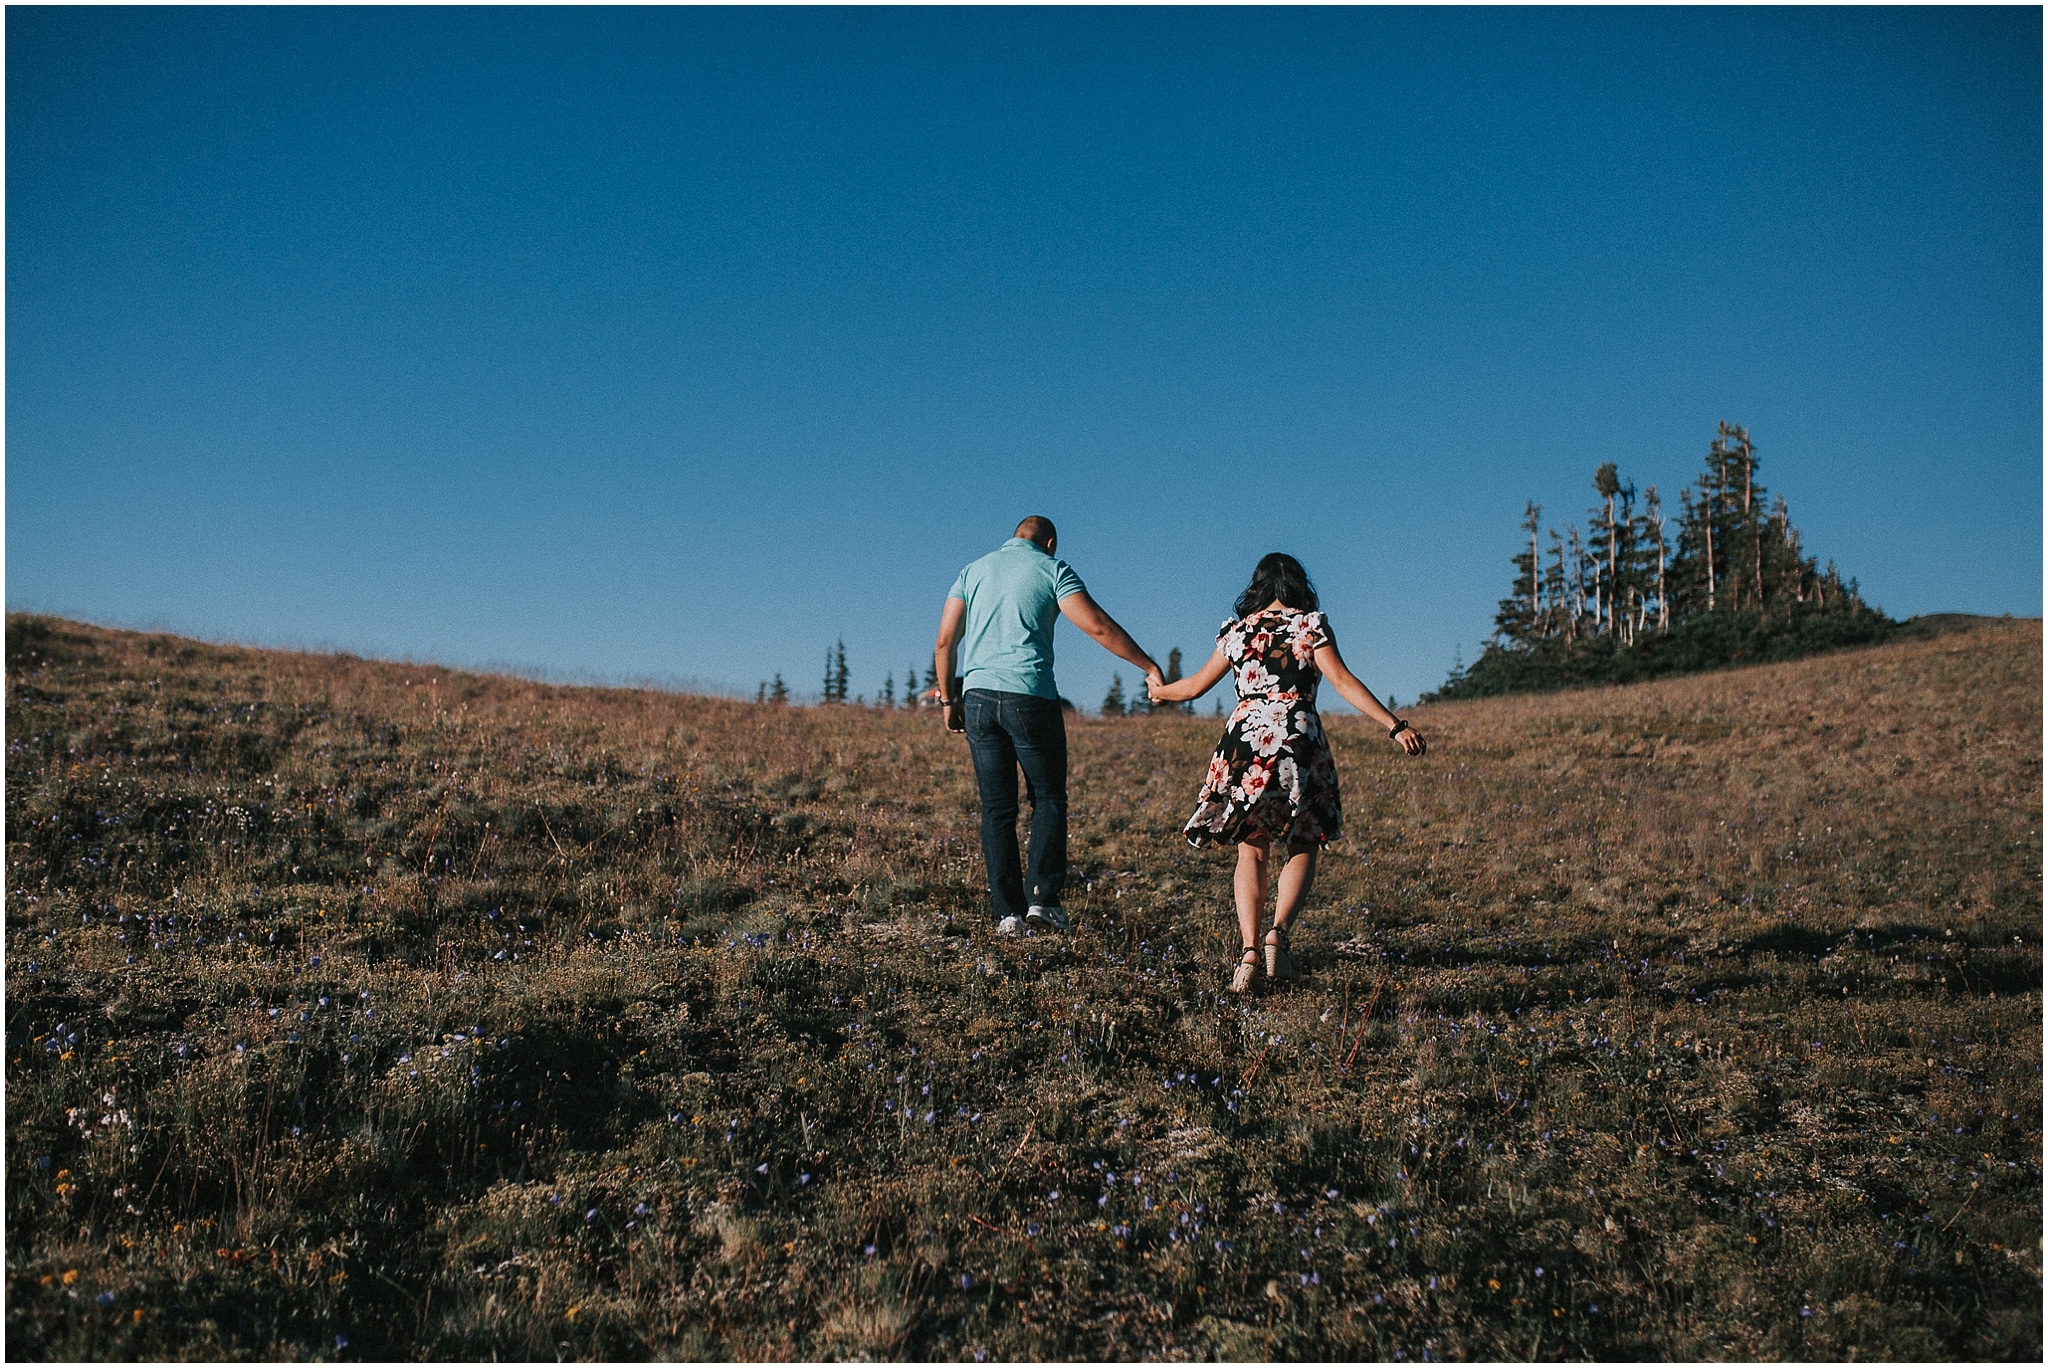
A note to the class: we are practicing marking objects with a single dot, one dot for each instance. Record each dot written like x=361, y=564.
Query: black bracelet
x=1395, y=730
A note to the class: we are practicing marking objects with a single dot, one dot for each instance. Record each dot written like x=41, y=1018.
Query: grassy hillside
x=365, y=1010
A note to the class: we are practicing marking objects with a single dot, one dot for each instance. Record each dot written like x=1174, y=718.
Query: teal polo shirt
x=1013, y=599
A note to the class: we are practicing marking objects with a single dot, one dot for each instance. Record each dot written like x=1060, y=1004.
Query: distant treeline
x=838, y=677
x=1639, y=594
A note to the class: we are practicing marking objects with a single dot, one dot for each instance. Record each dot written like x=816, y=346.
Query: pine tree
x=778, y=692
x=831, y=688
x=1652, y=539
x=1781, y=555
x=1608, y=616
x=1706, y=531
x=761, y=694
x=1578, y=584
x=889, y=694
x=1113, y=701
x=1752, y=513
x=911, y=699
x=1173, y=676
x=839, y=672
x=1629, y=567
x=1708, y=511
x=1520, y=613
x=1532, y=523
x=1736, y=548
x=1555, y=620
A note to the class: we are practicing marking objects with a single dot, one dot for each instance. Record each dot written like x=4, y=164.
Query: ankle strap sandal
x=1247, y=965
x=1279, y=964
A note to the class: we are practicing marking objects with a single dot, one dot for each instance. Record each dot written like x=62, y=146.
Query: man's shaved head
x=1039, y=530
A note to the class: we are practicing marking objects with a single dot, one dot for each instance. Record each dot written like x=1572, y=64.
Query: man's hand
x=944, y=656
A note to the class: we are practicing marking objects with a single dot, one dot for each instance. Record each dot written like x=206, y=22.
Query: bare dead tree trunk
x=1783, y=519
x=1613, y=569
x=1756, y=529
x=1710, y=552
x=1578, y=583
x=1656, y=509
x=1711, y=494
x=1554, y=583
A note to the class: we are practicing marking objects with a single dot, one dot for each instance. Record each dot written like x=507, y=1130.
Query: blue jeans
x=1006, y=732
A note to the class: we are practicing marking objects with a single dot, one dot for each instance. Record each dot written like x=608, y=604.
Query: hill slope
x=374, y=1010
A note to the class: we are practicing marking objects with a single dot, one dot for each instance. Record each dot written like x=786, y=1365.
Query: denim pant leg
x=995, y=774
x=1038, y=732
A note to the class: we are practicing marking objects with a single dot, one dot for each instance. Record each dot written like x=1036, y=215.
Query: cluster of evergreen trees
x=838, y=679
x=835, y=673
x=1140, y=704
x=1639, y=593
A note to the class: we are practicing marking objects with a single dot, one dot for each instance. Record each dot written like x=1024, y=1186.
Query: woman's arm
x=1358, y=696
x=1195, y=685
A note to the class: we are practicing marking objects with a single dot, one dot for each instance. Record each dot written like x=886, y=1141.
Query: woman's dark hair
x=1279, y=576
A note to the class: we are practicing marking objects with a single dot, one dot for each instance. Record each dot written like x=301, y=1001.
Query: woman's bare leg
x=1249, y=884
x=1297, y=876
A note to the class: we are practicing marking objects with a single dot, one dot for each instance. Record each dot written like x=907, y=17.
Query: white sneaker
x=1010, y=926
x=1048, y=919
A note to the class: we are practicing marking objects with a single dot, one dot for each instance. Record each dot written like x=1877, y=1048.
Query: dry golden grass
x=359, y=1009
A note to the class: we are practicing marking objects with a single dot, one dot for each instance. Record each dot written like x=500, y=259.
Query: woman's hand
x=1191, y=688
x=1331, y=663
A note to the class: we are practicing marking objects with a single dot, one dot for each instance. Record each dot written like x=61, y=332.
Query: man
x=1002, y=609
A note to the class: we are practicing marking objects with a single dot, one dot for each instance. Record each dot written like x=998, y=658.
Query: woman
x=1271, y=780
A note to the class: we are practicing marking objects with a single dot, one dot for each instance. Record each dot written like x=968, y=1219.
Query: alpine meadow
x=373, y=1010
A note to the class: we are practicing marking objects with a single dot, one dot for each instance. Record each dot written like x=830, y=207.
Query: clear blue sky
x=681, y=343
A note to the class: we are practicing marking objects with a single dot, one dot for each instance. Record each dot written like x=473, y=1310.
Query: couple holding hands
x=1271, y=784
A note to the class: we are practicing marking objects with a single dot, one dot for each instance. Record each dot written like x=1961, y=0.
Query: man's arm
x=1085, y=613
x=945, y=659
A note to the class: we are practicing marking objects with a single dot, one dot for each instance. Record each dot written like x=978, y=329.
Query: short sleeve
x=959, y=589
x=1230, y=641
x=1319, y=631
x=1065, y=583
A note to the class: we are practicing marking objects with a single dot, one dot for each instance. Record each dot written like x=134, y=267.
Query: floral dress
x=1272, y=773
